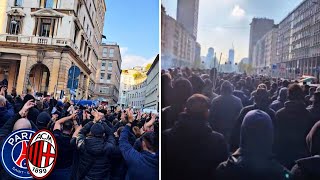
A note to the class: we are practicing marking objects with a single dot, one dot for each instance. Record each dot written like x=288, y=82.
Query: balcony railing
x=40, y=40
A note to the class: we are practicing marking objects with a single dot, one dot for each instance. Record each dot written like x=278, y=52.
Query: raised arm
x=149, y=124
x=58, y=123
x=82, y=134
x=127, y=151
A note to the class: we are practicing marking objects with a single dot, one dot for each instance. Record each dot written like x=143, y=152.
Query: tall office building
x=210, y=58
x=258, y=28
x=231, y=56
x=187, y=15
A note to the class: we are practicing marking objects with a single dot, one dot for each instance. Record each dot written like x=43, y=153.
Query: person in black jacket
x=142, y=165
x=309, y=167
x=6, y=111
x=95, y=143
x=225, y=110
x=197, y=83
x=314, y=109
x=191, y=149
x=279, y=102
x=166, y=89
x=12, y=124
x=261, y=99
x=118, y=169
x=253, y=160
x=291, y=126
x=62, y=131
x=182, y=90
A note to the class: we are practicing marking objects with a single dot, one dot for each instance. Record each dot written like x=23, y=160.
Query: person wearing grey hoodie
x=282, y=98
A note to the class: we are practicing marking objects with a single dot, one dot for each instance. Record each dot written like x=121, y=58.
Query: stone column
x=54, y=76
x=22, y=74
x=12, y=75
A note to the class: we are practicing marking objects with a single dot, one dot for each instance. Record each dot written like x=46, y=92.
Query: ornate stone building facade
x=41, y=40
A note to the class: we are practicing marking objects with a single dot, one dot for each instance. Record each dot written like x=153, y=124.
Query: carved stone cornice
x=16, y=12
x=47, y=13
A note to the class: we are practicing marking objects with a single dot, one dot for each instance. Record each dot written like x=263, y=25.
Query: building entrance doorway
x=39, y=78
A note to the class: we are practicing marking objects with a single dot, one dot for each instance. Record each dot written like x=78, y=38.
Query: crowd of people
x=94, y=142
x=238, y=126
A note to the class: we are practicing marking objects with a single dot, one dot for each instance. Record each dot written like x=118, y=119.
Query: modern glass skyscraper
x=231, y=56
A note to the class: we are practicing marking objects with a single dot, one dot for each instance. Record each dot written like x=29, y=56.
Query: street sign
x=72, y=91
x=73, y=84
x=74, y=73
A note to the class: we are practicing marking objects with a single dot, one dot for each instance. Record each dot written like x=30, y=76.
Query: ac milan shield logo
x=14, y=153
x=41, y=154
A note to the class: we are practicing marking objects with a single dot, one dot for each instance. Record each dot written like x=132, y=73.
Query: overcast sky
x=223, y=22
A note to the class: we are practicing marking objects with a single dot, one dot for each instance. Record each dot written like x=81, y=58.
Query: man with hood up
x=282, y=98
x=192, y=149
x=253, y=160
x=261, y=101
x=309, y=167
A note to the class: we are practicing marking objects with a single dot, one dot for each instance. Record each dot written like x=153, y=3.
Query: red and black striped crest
x=41, y=154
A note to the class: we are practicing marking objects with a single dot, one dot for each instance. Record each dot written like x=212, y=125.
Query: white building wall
x=152, y=90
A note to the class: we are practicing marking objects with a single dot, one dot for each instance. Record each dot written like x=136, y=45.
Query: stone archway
x=39, y=77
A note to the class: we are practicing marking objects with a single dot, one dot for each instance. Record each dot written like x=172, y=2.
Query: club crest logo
x=14, y=153
x=41, y=154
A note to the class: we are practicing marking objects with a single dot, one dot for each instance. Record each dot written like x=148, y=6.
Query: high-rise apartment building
x=178, y=46
x=258, y=28
x=187, y=15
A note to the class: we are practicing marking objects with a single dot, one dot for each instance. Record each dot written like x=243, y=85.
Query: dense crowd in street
x=94, y=142
x=236, y=126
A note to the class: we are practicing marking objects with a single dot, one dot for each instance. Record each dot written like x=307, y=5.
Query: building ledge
x=48, y=44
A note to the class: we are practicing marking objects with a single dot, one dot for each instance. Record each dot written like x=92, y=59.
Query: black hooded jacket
x=253, y=160
x=291, y=126
x=309, y=168
x=192, y=150
x=235, y=136
x=95, y=154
